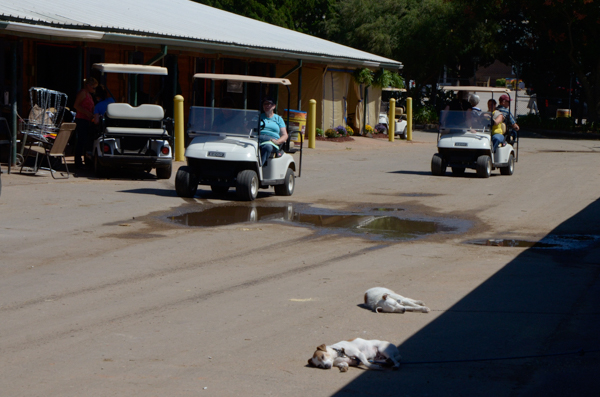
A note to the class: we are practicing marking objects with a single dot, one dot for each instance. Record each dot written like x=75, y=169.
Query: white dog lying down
x=385, y=300
x=355, y=352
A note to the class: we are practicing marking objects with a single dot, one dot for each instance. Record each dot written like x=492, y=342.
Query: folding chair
x=6, y=138
x=57, y=149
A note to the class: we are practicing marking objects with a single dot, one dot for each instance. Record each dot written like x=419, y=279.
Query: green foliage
x=319, y=132
x=331, y=133
x=349, y=131
x=500, y=82
x=425, y=115
x=308, y=16
x=385, y=78
x=363, y=76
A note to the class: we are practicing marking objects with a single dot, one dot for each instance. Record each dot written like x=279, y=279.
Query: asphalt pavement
x=104, y=291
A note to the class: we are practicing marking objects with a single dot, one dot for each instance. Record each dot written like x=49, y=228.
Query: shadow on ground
x=517, y=334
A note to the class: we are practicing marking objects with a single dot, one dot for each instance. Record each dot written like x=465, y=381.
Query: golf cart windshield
x=208, y=120
x=454, y=120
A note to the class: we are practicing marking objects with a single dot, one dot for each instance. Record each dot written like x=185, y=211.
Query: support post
x=392, y=120
x=312, y=123
x=179, y=137
x=409, y=119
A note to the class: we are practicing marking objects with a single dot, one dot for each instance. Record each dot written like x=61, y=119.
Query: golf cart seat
x=123, y=119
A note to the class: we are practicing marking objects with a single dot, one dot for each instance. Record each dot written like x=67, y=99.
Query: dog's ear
x=384, y=297
x=322, y=347
x=378, y=310
x=310, y=363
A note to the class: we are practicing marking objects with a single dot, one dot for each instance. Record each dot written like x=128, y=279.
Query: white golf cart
x=400, y=123
x=224, y=150
x=132, y=137
x=464, y=141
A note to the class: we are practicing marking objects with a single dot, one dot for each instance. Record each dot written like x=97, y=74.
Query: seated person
x=274, y=132
x=102, y=101
x=498, y=130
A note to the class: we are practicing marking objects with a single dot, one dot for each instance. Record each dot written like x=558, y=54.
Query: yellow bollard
x=311, y=124
x=392, y=120
x=409, y=119
x=179, y=123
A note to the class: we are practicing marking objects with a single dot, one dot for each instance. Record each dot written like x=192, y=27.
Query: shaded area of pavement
x=542, y=305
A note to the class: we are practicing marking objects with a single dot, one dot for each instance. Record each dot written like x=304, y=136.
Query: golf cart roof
x=393, y=89
x=472, y=88
x=130, y=68
x=243, y=78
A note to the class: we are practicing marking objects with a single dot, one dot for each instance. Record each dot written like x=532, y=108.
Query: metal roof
x=178, y=23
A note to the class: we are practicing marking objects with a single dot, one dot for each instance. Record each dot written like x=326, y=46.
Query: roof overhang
x=65, y=33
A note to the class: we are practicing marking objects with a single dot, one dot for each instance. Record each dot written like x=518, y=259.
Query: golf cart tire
x=247, y=185
x=219, y=190
x=510, y=168
x=164, y=172
x=287, y=189
x=99, y=170
x=458, y=171
x=438, y=165
x=186, y=182
x=484, y=166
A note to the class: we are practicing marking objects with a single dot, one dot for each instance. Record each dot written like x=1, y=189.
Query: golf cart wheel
x=219, y=190
x=186, y=182
x=484, y=166
x=247, y=185
x=457, y=171
x=438, y=165
x=510, y=168
x=287, y=189
x=19, y=160
x=164, y=172
x=99, y=170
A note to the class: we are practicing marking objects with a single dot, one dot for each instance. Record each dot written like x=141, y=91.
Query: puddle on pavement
x=370, y=223
x=558, y=242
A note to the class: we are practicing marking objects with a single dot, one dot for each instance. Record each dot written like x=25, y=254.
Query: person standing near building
x=84, y=105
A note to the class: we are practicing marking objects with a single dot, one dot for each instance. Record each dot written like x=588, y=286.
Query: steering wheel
x=262, y=126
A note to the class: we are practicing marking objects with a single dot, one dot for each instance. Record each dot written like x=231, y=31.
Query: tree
x=425, y=35
x=307, y=16
x=549, y=40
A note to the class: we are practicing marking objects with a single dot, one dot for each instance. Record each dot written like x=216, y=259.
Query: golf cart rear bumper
x=135, y=161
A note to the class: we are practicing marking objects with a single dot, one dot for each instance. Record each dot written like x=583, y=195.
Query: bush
x=320, y=132
x=350, y=131
x=368, y=129
x=341, y=130
x=500, y=82
x=331, y=133
x=425, y=115
x=380, y=128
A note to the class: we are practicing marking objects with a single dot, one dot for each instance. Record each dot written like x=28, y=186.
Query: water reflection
x=371, y=223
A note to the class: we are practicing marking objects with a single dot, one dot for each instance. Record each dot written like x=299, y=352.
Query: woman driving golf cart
x=273, y=132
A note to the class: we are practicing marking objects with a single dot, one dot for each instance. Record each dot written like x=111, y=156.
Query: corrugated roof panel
x=177, y=19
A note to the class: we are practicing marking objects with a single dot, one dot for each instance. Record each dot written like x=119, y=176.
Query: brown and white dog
x=355, y=352
x=385, y=300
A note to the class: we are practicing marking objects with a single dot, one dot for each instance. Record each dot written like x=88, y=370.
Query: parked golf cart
x=133, y=137
x=224, y=150
x=400, y=122
x=464, y=141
